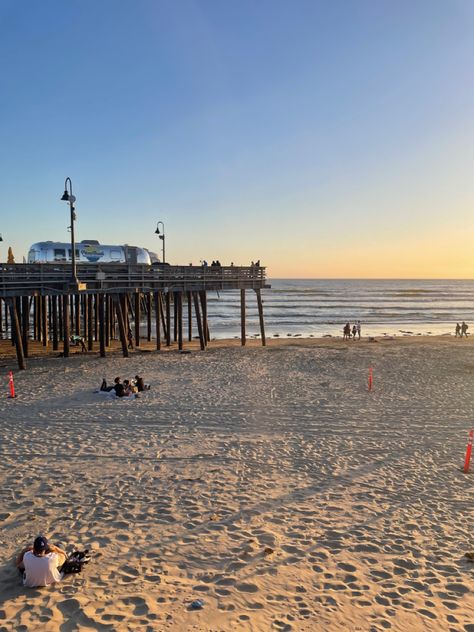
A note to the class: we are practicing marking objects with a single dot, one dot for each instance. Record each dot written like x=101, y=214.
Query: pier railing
x=50, y=279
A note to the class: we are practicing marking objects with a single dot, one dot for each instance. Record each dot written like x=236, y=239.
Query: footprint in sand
x=247, y=587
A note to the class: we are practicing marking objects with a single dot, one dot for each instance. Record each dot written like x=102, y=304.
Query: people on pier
x=41, y=563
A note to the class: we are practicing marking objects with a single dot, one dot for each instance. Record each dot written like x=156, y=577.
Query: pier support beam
x=16, y=332
x=137, y=318
x=260, y=316
x=44, y=322
x=157, y=301
x=190, y=317
x=121, y=323
x=242, y=318
x=179, y=297
x=66, y=326
x=54, y=322
x=101, y=326
x=168, y=319
x=202, y=340
x=205, y=324
x=175, y=316
x=148, y=316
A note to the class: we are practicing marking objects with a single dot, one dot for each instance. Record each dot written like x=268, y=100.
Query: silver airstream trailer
x=87, y=251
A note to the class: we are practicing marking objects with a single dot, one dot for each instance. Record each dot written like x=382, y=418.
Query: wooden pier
x=43, y=303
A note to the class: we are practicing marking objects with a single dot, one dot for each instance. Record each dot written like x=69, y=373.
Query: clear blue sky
x=327, y=138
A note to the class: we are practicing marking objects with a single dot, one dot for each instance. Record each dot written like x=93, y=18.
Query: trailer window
x=116, y=254
x=60, y=254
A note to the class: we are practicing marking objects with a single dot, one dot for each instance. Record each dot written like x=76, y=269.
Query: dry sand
x=266, y=481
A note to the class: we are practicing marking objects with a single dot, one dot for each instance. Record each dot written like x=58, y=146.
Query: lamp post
x=69, y=197
x=161, y=236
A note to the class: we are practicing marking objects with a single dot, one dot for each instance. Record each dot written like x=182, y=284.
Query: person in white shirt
x=40, y=563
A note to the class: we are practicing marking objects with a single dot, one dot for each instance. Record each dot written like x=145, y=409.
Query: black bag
x=75, y=562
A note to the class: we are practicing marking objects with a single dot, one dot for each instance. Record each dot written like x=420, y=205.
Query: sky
x=329, y=139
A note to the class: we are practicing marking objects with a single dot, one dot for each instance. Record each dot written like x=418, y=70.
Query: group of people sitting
x=127, y=388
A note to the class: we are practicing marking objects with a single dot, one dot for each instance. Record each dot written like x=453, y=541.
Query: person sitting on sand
x=129, y=389
x=118, y=387
x=40, y=563
x=140, y=384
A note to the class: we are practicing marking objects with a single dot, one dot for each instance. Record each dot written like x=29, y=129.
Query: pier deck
x=54, y=279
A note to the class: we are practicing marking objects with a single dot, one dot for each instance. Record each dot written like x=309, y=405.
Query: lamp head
x=1, y=238
x=157, y=231
x=65, y=197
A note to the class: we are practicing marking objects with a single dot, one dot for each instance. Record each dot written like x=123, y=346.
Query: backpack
x=75, y=562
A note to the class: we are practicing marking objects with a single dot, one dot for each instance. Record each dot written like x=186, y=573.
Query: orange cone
x=467, y=460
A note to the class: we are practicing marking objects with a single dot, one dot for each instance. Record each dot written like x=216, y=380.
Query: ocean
x=318, y=307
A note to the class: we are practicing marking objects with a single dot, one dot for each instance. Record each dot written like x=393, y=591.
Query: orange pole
x=467, y=460
x=12, y=385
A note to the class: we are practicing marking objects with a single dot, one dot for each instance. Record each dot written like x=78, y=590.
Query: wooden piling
x=190, y=316
x=118, y=301
x=168, y=318
x=54, y=322
x=179, y=297
x=25, y=325
x=66, y=324
x=44, y=322
x=148, y=316
x=205, y=326
x=202, y=340
x=156, y=298
x=175, y=316
x=242, y=317
x=260, y=316
x=137, y=318
x=101, y=326
x=16, y=332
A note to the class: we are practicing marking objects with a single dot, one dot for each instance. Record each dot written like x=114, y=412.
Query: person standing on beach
x=354, y=331
x=464, y=329
x=457, y=331
x=130, y=339
x=346, y=332
x=358, y=328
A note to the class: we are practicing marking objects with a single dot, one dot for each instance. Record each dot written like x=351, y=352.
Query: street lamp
x=162, y=236
x=69, y=197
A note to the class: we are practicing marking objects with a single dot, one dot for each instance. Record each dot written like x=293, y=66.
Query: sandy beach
x=268, y=482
